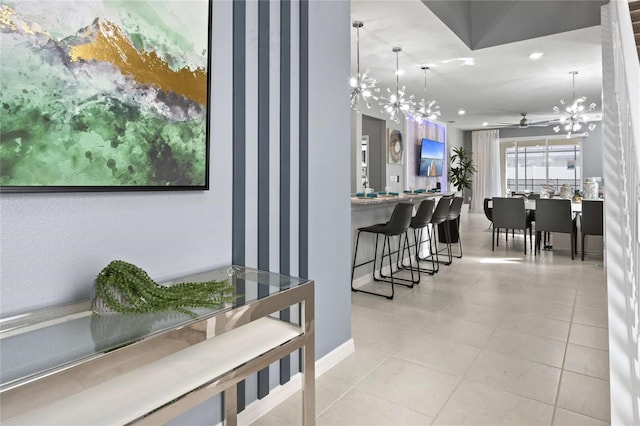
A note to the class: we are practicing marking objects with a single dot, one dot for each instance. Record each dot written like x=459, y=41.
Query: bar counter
x=357, y=202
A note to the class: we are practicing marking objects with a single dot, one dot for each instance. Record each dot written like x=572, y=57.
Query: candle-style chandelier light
x=362, y=85
x=425, y=109
x=573, y=116
x=396, y=103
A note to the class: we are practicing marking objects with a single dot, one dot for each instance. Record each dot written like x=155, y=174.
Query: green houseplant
x=461, y=169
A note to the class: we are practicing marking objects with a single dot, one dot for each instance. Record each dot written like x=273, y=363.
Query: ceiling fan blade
x=502, y=126
x=541, y=123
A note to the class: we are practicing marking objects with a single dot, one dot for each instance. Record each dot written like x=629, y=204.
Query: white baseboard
x=279, y=394
x=331, y=359
x=360, y=281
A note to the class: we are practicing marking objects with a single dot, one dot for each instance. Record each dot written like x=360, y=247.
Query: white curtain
x=485, y=145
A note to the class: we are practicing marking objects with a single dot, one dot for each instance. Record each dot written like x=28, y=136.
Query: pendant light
x=425, y=110
x=395, y=103
x=362, y=85
x=573, y=116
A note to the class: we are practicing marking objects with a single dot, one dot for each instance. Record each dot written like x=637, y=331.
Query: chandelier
x=425, y=110
x=362, y=84
x=573, y=116
x=395, y=103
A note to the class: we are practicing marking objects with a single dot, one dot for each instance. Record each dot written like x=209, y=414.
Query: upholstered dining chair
x=515, y=194
x=555, y=216
x=510, y=213
x=591, y=222
x=532, y=213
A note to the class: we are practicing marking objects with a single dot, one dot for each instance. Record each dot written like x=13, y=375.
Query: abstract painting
x=104, y=95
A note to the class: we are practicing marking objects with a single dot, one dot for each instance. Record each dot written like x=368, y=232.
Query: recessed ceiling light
x=462, y=112
x=485, y=124
x=536, y=55
x=400, y=72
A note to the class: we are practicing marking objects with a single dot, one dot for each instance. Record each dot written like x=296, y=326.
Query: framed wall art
x=104, y=95
x=395, y=149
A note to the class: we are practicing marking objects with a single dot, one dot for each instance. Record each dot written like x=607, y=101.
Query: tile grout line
x=463, y=375
x=564, y=360
x=354, y=386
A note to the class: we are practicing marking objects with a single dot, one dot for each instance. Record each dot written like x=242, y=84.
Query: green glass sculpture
x=124, y=288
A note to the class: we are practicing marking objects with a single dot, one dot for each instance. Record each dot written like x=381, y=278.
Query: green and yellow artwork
x=104, y=95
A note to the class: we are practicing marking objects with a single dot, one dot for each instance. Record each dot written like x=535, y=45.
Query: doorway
x=374, y=129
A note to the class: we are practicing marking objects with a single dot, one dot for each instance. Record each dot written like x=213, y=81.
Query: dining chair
x=532, y=213
x=515, y=194
x=510, y=213
x=591, y=221
x=555, y=216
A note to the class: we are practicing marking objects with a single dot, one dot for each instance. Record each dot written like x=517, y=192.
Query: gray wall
x=329, y=201
x=592, y=153
x=53, y=245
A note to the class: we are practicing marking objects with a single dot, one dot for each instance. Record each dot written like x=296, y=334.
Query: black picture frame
x=100, y=108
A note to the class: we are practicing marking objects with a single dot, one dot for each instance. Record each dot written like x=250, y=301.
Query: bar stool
x=452, y=224
x=440, y=216
x=419, y=222
x=488, y=211
x=397, y=226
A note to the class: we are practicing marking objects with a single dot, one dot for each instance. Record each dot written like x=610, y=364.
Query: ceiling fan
x=524, y=123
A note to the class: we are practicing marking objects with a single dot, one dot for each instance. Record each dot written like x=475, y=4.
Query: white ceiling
x=502, y=82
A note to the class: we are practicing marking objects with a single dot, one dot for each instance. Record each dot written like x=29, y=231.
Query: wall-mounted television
x=431, y=158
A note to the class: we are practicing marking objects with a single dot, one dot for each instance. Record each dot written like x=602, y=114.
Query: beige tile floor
x=497, y=338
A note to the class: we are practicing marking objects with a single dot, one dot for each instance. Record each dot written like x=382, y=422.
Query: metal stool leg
x=400, y=281
x=355, y=255
x=406, y=246
x=374, y=261
x=417, y=237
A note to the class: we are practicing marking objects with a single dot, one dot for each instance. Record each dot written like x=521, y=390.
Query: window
x=528, y=163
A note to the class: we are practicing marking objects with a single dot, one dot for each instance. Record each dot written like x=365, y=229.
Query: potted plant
x=461, y=169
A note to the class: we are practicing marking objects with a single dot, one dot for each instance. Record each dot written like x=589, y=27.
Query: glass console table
x=64, y=365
